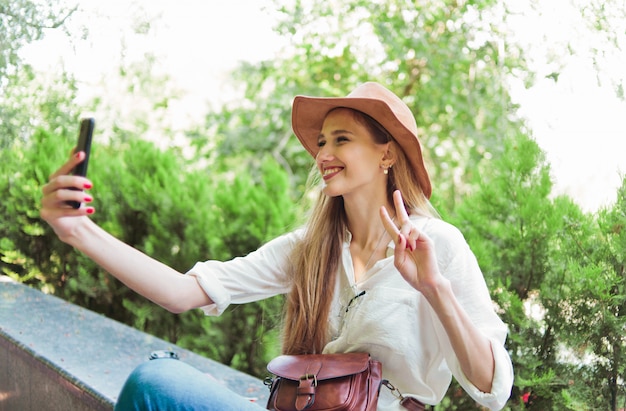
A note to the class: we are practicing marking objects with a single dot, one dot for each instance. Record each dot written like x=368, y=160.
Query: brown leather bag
x=338, y=382
x=317, y=382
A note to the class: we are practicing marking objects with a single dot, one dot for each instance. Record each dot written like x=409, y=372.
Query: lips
x=330, y=172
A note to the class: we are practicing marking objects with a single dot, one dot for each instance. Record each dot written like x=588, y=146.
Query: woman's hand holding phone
x=147, y=276
x=64, y=193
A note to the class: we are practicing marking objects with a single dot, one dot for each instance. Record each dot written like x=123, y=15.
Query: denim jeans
x=169, y=384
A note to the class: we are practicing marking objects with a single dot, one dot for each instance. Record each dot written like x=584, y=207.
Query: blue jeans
x=169, y=384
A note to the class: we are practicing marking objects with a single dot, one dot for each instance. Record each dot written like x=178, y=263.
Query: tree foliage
x=24, y=21
x=588, y=298
x=510, y=223
x=29, y=100
x=557, y=278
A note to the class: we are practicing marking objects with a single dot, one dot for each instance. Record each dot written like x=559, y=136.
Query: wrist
x=437, y=292
x=79, y=235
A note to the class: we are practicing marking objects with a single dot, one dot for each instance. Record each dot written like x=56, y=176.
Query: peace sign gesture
x=414, y=254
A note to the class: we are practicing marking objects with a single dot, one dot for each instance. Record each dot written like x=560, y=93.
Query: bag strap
x=305, y=393
x=409, y=403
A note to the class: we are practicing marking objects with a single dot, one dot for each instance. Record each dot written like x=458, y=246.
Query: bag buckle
x=310, y=377
x=305, y=393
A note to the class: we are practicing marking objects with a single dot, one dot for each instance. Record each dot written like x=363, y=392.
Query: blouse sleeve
x=459, y=265
x=260, y=274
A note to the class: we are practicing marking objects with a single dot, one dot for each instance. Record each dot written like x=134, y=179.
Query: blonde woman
x=374, y=269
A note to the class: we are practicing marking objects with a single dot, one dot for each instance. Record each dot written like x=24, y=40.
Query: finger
x=388, y=223
x=401, y=213
x=59, y=197
x=66, y=181
x=402, y=216
x=394, y=232
x=51, y=214
x=75, y=158
x=412, y=238
x=407, y=228
x=400, y=253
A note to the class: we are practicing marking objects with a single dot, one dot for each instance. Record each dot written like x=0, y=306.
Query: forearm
x=152, y=279
x=472, y=348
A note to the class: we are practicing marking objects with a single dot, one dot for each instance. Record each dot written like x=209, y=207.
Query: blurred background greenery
x=221, y=187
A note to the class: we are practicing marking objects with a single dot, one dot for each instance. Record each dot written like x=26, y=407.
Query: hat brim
x=308, y=114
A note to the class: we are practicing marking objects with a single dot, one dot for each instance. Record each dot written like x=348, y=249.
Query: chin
x=330, y=192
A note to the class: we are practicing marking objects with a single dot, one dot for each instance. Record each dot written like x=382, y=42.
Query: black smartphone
x=84, y=144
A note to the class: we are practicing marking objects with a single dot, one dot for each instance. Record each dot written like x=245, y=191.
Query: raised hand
x=63, y=187
x=414, y=253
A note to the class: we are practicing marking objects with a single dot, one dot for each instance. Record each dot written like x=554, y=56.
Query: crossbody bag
x=324, y=382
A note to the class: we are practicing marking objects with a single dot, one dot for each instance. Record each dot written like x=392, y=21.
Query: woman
x=374, y=270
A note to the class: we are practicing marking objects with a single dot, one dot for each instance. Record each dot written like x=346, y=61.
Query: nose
x=324, y=154
x=323, y=157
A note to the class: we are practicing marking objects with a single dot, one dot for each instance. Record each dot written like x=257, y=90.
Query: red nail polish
x=88, y=199
x=90, y=210
x=87, y=185
x=77, y=155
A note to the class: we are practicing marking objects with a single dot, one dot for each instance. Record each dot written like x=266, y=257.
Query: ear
x=389, y=155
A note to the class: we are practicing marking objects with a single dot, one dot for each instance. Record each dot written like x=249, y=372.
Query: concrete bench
x=57, y=356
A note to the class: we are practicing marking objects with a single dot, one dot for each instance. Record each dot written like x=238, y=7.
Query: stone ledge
x=57, y=356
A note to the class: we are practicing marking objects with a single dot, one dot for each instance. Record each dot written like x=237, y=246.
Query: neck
x=365, y=224
x=368, y=243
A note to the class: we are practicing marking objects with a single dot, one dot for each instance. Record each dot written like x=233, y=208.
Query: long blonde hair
x=315, y=260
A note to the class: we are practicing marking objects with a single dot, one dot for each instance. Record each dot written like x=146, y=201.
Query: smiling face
x=349, y=159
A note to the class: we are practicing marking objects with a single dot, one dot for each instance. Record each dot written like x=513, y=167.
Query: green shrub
x=152, y=200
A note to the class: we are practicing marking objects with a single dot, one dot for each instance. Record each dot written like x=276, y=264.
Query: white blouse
x=382, y=314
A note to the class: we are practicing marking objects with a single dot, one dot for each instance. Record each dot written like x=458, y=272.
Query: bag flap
x=322, y=366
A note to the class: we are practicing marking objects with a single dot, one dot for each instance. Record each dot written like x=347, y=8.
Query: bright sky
x=580, y=125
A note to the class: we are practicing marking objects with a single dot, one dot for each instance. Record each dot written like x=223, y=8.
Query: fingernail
x=90, y=210
x=87, y=185
x=77, y=155
x=87, y=199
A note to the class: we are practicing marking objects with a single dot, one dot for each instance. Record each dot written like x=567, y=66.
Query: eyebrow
x=334, y=133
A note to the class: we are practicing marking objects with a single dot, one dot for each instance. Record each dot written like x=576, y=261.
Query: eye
x=321, y=143
x=342, y=139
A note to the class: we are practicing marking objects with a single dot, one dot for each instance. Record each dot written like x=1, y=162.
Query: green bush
x=152, y=200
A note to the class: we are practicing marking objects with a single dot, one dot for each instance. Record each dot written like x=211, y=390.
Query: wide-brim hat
x=308, y=114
